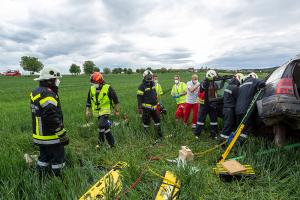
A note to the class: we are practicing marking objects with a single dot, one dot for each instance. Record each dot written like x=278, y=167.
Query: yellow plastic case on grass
x=169, y=188
x=110, y=183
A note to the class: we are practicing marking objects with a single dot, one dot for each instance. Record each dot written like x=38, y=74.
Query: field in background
x=278, y=174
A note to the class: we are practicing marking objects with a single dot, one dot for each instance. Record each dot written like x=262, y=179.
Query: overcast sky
x=133, y=33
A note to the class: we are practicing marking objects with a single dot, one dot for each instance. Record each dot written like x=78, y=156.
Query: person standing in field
x=159, y=92
x=179, y=94
x=209, y=88
x=229, y=101
x=147, y=103
x=191, y=100
x=247, y=91
x=47, y=123
x=101, y=99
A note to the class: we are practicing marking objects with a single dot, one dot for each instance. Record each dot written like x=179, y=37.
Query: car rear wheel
x=279, y=131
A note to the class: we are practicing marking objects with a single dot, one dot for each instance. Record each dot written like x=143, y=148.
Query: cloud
x=154, y=33
x=127, y=14
x=256, y=58
x=175, y=56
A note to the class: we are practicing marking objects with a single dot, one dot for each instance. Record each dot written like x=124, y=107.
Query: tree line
x=33, y=64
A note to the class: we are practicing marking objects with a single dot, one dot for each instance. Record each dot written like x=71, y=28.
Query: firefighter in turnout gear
x=147, y=103
x=209, y=87
x=100, y=101
x=179, y=94
x=247, y=91
x=47, y=123
x=229, y=101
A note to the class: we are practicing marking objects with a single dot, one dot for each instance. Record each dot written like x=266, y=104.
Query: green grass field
x=278, y=174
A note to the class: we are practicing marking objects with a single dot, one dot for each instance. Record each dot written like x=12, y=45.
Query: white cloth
x=191, y=97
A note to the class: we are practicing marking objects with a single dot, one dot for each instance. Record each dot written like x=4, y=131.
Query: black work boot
x=158, y=131
x=213, y=136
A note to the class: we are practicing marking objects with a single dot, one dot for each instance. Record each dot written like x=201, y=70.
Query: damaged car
x=279, y=107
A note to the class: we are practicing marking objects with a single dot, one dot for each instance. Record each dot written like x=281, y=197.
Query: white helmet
x=146, y=73
x=253, y=75
x=211, y=73
x=48, y=73
x=239, y=77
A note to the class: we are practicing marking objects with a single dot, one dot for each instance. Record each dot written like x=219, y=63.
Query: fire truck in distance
x=11, y=73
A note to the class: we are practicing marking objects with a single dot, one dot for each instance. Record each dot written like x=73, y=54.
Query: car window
x=220, y=92
x=276, y=75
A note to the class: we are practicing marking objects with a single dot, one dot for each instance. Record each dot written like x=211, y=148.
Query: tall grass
x=277, y=174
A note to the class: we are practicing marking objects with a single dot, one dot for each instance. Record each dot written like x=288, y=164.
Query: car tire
x=279, y=131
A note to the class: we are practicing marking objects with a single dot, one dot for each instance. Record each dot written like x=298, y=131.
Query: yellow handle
x=231, y=144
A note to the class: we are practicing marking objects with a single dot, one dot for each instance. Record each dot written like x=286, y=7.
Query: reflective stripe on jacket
x=149, y=106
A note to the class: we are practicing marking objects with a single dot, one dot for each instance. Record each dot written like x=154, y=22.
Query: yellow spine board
x=109, y=184
x=220, y=170
x=167, y=189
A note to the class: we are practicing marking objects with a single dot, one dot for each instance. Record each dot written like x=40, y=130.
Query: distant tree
x=149, y=68
x=163, y=70
x=88, y=67
x=142, y=70
x=96, y=69
x=125, y=70
x=106, y=70
x=78, y=70
x=137, y=70
x=129, y=71
x=117, y=70
x=31, y=64
x=74, y=69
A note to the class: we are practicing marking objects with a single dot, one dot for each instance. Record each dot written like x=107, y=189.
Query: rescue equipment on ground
x=235, y=138
x=169, y=187
x=241, y=126
x=111, y=182
x=185, y=154
x=225, y=176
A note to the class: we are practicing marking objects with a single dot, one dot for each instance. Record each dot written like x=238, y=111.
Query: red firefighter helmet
x=97, y=77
